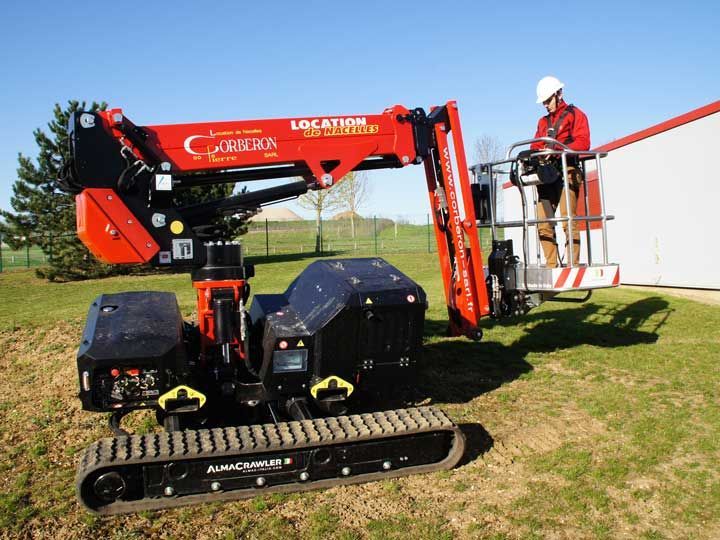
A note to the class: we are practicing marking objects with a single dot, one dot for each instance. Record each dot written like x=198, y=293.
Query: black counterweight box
x=131, y=348
x=359, y=319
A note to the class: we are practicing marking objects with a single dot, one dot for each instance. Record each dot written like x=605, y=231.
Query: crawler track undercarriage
x=165, y=470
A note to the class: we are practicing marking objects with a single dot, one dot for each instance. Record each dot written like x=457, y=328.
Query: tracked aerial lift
x=276, y=396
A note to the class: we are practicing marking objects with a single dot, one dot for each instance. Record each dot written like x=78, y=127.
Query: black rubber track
x=179, y=446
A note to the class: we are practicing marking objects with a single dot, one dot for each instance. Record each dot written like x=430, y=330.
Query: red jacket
x=574, y=128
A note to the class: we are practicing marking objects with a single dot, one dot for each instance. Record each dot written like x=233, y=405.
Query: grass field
x=299, y=237
x=599, y=420
x=382, y=237
x=21, y=258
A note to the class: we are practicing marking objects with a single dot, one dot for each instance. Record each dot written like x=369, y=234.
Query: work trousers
x=550, y=196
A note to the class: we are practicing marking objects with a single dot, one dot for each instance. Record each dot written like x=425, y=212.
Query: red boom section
x=456, y=232
x=109, y=230
x=347, y=140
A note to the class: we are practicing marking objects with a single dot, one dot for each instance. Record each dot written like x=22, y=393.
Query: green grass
x=402, y=527
x=15, y=507
x=627, y=383
x=29, y=301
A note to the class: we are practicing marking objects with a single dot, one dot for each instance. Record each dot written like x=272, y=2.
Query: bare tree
x=319, y=201
x=488, y=148
x=353, y=193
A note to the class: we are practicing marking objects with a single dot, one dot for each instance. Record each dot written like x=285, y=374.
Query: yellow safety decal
x=300, y=343
x=176, y=392
x=368, y=301
x=331, y=383
x=177, y=227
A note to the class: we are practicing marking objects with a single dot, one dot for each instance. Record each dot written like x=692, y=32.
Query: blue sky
x=627, y=64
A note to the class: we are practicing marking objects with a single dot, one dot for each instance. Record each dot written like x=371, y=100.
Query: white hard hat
x=547, y=87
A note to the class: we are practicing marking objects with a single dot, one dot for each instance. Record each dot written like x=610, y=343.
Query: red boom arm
x=125, y=174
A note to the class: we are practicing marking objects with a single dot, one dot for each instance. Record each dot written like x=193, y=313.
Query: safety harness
x=553, y=128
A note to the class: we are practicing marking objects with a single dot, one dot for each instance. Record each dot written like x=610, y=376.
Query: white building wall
x=664, y=191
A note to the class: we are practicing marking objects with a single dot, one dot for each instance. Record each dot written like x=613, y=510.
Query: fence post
x=428, y=231
x=375, y=232
x=321, y=236
x=267, y=239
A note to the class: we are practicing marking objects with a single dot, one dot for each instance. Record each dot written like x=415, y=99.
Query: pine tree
x=44, y=215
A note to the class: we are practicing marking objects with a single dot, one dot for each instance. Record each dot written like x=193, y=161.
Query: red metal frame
x=205, y=312
x=212, y=146
x=110, y=230
x=457, y=235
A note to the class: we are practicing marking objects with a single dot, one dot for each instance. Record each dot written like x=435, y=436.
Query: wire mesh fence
x=27, y=257
x=28, y=252
x=376, y=235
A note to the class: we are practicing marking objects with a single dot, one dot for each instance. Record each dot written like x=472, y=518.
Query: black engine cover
x=359, y=319
x=131, y=343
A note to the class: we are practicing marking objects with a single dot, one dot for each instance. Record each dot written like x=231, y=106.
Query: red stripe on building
x=616, y=279
x=563, y=278
x=578, y=278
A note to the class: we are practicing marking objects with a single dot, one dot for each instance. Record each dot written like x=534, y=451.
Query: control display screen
x=290, y=361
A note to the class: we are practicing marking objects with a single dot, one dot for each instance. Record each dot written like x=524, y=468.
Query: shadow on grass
x=593, y=324
x=477, y=442
x=458, y=370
